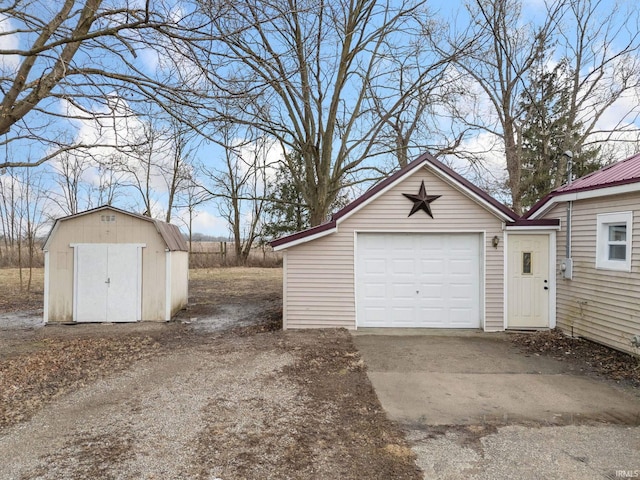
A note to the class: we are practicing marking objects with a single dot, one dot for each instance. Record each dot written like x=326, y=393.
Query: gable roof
x=170, y=233
x=619, y=177
x=424, y=161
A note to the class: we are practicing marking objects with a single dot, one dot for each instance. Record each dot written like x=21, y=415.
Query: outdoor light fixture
x=495, y=241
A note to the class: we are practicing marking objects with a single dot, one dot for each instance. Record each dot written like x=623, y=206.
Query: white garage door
x=418, y=280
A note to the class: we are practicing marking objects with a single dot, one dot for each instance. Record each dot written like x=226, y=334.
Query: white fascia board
x=573, y=196
x=305, y=239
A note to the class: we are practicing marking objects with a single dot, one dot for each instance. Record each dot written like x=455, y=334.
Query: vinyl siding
x=90, y=229
x=601, y=305
x=319, y=276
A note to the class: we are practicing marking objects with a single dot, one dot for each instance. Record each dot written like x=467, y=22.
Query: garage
x=418, y=280
x=110, y=265
x=423, y=248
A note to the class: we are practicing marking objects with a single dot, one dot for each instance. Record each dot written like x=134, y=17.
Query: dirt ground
x=582, y=355
x=220, y=393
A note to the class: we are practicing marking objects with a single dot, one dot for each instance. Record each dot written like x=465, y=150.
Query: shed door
x=528, y=281
x=107, y=283
x=418, y=280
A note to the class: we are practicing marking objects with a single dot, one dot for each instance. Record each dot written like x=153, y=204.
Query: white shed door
x=107, y=283
x=418, y=280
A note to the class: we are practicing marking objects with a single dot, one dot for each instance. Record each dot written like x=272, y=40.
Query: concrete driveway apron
x=473, y=406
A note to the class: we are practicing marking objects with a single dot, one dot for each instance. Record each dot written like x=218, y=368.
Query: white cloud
x=8, y=41
x=204, y=222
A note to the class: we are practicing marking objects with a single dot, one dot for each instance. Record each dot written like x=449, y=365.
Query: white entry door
x=107, y=283
x=418, y=280
x=528, y=282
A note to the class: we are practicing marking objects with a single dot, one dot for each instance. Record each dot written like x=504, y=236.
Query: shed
x=110, y=265
x=423, y=248
x=598, y=251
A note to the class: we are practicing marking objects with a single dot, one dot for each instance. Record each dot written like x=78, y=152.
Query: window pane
x=617, y=252
x=617, y=233
x=526, y=262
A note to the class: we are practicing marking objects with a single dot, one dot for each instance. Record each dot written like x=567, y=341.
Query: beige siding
x=601, y=305
x=90, y=229
x=319, y=275
x=179, y=281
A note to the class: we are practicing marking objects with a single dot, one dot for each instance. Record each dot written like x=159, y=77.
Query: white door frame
x=482, y=263
x=139, y=247
x=552, y=268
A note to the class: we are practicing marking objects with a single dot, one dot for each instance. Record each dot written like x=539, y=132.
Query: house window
x=613, y=241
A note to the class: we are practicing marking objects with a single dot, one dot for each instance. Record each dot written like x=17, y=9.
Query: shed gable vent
x=107, y=218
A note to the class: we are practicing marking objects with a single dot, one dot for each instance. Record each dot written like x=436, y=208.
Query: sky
x=208, y=219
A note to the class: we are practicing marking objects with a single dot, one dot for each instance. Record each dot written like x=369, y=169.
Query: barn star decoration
x=421, y=201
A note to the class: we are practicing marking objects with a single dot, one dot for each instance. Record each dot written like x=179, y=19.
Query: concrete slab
x=475, y=407
x=463, y=380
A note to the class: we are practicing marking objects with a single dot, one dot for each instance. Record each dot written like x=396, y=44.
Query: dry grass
x=237, y=282
x=14, y=297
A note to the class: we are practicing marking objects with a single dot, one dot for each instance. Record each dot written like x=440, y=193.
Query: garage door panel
x=375, y=291
x=403, y=266
x=428, y=280
x=375, y=266
x=431, y=265
x=402, y=290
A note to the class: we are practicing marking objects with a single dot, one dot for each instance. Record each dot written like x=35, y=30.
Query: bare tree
x=190, y=198
x=140, y=165
x=505, y=50
x=178, y=171
x=69, y=170
x=62, y=60
x=301, y=71
x=239, y=186
x=23, y=199
x=600, y=42
x=600, y=45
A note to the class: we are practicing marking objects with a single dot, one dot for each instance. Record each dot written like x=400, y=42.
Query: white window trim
x=602, y=241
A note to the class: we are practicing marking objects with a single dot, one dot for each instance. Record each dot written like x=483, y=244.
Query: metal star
x=421, y=201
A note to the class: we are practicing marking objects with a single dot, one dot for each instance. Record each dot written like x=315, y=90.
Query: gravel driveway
x=151, y=421
x=220, y=393
x=233, y=406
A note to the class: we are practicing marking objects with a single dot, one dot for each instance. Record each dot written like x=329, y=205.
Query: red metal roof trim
x=624, y=172
x=538, y=222
x=619, y=173
x=425, y=158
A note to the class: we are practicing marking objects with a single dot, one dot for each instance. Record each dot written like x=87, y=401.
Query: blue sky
x=208, y=220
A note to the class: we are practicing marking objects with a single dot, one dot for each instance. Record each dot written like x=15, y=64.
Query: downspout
x=567, y=263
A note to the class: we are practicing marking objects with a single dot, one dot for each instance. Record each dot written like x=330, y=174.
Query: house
x=598, y=247
x=423, y=248
x=109, y=265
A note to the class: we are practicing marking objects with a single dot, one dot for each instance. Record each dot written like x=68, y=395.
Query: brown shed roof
x=170, y=233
